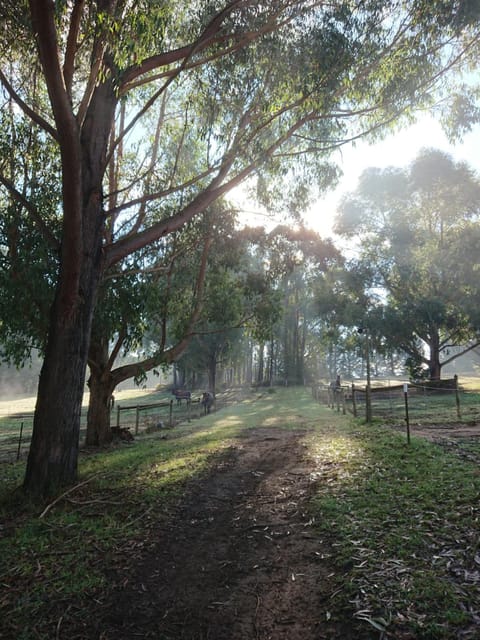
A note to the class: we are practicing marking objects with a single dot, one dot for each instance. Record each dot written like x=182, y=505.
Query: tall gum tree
x=411, y=223
x=271, y=87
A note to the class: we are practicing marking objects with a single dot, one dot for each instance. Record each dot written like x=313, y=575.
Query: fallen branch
x=66, y=493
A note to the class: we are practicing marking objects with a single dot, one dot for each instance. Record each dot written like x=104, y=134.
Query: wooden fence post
x=368, y=405
x=171, y=414
x=354, y=400
x=137, y=419
x=407, y=419
x=20, y=441
x=118, y=415
x=457, y=397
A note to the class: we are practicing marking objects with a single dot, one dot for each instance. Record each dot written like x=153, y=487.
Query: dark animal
x=182, y=394
x=122, y=433
x=336, y=385
x=207, y=401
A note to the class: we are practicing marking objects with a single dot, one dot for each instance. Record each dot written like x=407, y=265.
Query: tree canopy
x=411, y=224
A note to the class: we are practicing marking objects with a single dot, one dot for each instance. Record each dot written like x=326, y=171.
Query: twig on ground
x=66, y=493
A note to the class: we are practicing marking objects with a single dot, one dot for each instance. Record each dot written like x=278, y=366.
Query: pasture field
x=427, y=405
x=16, y=416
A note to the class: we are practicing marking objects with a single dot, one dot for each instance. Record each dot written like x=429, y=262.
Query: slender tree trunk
x=270, y=362
x=261, y=362
x=301, y=353
x=434, y=365
x=212, y=373
x=102, y=385
x=249, y=364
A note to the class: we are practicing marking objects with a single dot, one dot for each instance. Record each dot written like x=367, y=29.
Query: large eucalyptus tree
x=416, y=226
x=246, y=86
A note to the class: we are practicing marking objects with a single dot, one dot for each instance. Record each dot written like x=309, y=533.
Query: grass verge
x=403, y=521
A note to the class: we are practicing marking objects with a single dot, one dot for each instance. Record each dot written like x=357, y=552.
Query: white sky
x=399, y=150
x=396, y=150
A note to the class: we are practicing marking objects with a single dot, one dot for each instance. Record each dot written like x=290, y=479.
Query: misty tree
x=143, y=300
x=411, y=223
x=240, y=302
x=28, y=250
x=296, y=257
x=253, y=88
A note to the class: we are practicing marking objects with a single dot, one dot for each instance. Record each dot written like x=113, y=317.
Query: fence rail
x=16, y=428
x=442, y=403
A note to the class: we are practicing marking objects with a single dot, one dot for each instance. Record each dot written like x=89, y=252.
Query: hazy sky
x=397, y=150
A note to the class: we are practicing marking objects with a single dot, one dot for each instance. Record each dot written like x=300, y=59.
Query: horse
x=207, y=401
x=182, y=394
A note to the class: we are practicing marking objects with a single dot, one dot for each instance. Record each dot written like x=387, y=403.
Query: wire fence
x=137, y=419
x=440, y=402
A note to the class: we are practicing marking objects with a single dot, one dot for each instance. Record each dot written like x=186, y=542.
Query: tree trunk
x=99, y=408
x=272, y=358
x=261, y=362
x=52, y=461
x=249, y=364
x=212, y=373
x=102, y=386
x=434, y=365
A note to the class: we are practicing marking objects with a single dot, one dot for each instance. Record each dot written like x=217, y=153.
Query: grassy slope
x=400, y=523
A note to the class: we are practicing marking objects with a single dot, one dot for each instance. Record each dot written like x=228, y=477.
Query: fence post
x=407, y=420
x=20, y=441
x=354, y=400
x=171, y=414
x=118, y=415
x=457, y=397
x=189, y=402
x=344, y=403
x=137, y=419
x=368, y=404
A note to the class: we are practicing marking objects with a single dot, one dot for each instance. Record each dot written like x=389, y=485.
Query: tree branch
x=183, y=53
x=33, y=115
x=71, y=49
x=116, y=349
x=32, y=211
x=159, y=194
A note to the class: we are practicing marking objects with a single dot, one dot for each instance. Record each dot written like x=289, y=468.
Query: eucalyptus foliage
x=416, y=227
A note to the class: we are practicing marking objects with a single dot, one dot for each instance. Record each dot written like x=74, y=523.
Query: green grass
x=400, y=523
x=427, y=408
x=405, y=519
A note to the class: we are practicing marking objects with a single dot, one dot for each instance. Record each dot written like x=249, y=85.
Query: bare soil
x=452, y=436
x=237, y=560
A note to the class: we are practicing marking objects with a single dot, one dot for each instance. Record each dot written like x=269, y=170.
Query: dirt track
x=237, y=560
